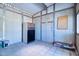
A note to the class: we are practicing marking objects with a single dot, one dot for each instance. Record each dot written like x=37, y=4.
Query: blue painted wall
x=60, y=35
x=1, y=24
x=37, y=28
x=13, y=27
x=68, y=34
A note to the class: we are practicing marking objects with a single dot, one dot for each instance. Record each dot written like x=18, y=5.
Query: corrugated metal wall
x=37, y=28
x=65, y=35
x=49, y=31
x=11, y=25
x=47, y=28
x=13, y=29
x=1, y=24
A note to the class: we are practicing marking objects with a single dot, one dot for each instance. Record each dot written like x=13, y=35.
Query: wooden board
x=62, y=22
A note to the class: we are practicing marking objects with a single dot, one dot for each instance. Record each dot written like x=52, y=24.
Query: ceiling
x=31, y=8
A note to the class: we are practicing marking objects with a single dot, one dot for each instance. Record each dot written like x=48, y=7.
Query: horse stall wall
x=37, y=22
x=64, y=35
x=47, y=28
x=1, y=24
x=44, y=28
x=47, y=25
x=13, y=27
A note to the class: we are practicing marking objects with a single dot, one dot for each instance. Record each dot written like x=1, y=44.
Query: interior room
x=39, y=29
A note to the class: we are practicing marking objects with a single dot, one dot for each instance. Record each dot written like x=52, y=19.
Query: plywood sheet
x=62, y=22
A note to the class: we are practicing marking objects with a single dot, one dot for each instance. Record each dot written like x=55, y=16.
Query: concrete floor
x=36, y=48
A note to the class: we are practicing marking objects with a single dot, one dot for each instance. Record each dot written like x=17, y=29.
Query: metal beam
x=75, y=29
x=43, y=9
x=41, y=27
x=44, y=5
x=22, y=29
x=53, y=23
x=57, y=11
x=51, y=5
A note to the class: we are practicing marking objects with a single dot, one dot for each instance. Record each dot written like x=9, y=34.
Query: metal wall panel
x=1, y=27
x=47, y=28
x=44, y=18
x=43, y=12
x=49, y=17
x=13, y=27
x=1, y=24
x=47, y=24
x=50, y=9
x=37, y=28
x=44, y=32
x=25, y=32
x=50, y=32
x=27, y=19
x=60, y=6
x=65, y=35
